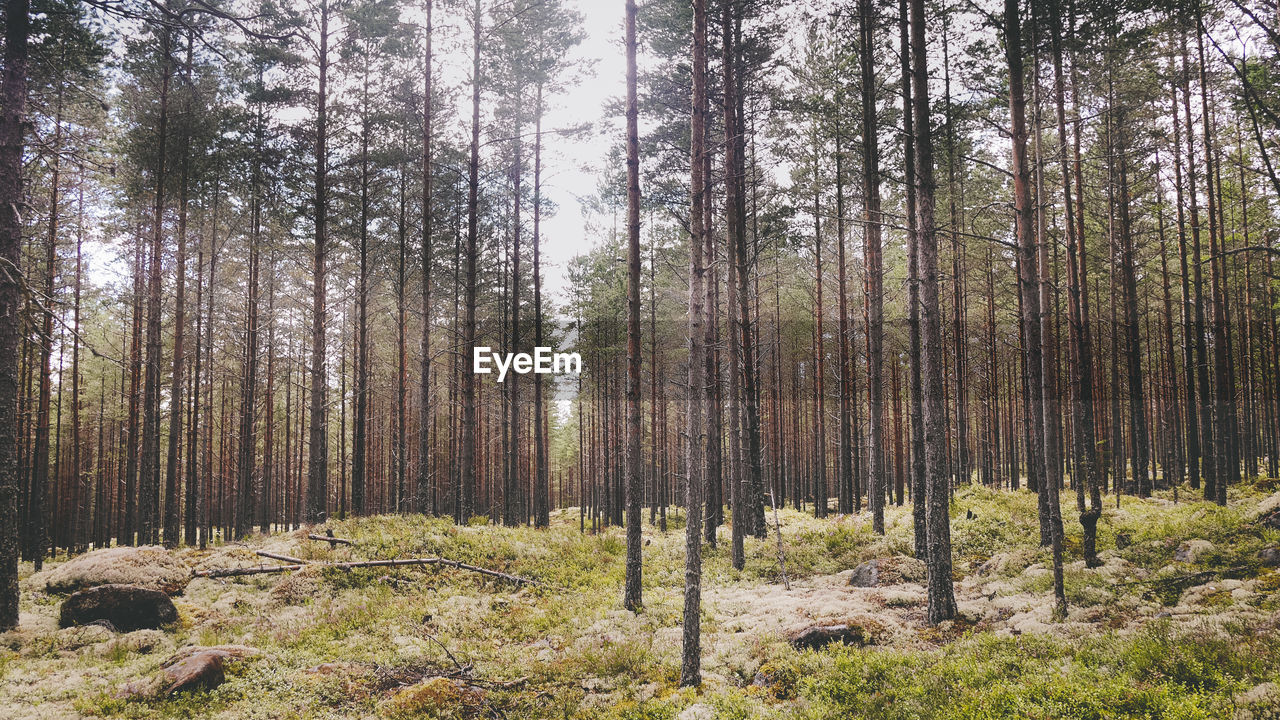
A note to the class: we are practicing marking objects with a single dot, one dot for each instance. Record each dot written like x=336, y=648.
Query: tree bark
x=874, y=269
x=318, y=454
x=691, y=653
x=942, y=603
x=13, y=122
x=631, y=599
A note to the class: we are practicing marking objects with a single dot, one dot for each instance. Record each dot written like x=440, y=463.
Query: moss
x=1155, y=674
x=549, y=639
x=437, y=697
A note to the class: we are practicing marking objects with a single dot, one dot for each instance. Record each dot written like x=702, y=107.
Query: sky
x=575, y=162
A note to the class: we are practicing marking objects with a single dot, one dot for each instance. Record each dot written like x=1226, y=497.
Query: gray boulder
x=149, y=567
x=888, y=571
x=126, y=607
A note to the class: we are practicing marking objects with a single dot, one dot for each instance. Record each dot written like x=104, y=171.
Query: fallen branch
x=331, y=539
x=265, y=569
x=285, y=558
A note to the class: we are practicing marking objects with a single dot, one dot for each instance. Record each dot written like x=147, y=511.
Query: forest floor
x=1182, y=621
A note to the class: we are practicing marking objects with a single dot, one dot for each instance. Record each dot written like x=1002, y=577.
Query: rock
x=126, y=607
x=150, y=567
x=1270, y=519
x=816, y=637
x=697, y=711
x=1260, y=703
x=1123, y=540
x=888, y=571
x=1192, y=550
x=192, y=668
x=1270, y=557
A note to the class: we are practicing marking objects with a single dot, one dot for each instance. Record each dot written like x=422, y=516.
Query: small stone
x=1270, y=557
x=126, y=607
x=888, y=571
x=1192, y=550
x=816, y=637
x=192, y=668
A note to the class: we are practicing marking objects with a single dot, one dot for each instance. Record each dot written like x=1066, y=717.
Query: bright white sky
x=573, y=165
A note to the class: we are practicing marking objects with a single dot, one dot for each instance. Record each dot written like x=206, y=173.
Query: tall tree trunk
x=874, y=268
x=1226, y=471
x=919, y=510
x=247, y=462
x=942, y=603
x=691, y=652
x=467, y=458
x=1208, y=470
x=149, y=482
x=318, y=454
x=426, y=479
x=37, y=512
x=1031, y=302
x=1133, y=341
x=511, y=496
x=172, y=495
x=13, y=120
x=542, y=478
x=631, y=598
x=1085, y=466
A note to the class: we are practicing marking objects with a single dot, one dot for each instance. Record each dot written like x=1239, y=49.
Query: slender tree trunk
x=1085, y=466
x=318, y=452
x=426, y=479
x=149, y=482
x=247, y=462
x=631, y=599
x=172, y=495
x=37, y=512
x=919, y=509
x=1208, y=470
x=13, y=120
x=874, y=268
x=542, y=478
x=1226, y=471
x=467, y=460
x=942, y=603
x=691, y=653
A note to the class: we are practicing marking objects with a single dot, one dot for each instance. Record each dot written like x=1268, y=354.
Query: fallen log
x=331, y=539
x=284, y=558
x=406, y=562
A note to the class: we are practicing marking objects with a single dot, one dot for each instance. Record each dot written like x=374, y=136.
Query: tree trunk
x=942, y=603
x=874, y=269
x=318, y=454
x=691, y=652
x=13, y=120
x=467, y=458
x=149, y=482
x=631, y=599
x=426, y=479
x=915, y=401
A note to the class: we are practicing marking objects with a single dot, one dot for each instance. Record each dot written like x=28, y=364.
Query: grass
x=368, y=642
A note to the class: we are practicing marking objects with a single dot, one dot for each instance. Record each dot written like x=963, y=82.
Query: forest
x=919, y=342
